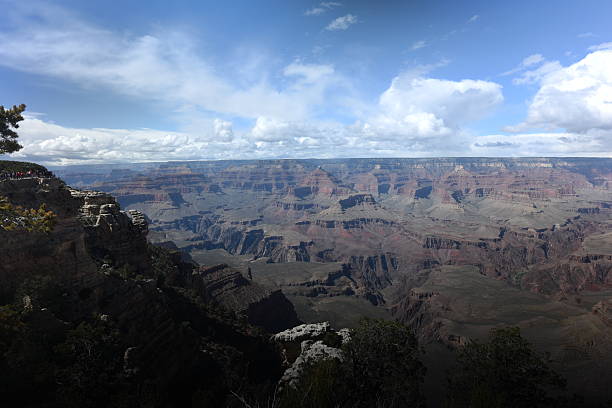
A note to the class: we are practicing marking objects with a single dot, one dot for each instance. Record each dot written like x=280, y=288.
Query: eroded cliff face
x=62, y=253
x=451, y=246
x=527, y=221
x=174, y=335
x=111, y=234
x=227, y=287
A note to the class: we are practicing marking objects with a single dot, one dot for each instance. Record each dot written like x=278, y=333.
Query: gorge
x=449, y=246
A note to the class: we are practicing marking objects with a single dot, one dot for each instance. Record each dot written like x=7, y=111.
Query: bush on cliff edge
x=381, y=368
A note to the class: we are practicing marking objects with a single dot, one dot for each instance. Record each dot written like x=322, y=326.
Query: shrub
x=384, y=370
x=503, y=372
x=381, y=368
x=32, y=220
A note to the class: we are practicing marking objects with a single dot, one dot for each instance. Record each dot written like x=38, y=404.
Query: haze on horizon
x=112, y=82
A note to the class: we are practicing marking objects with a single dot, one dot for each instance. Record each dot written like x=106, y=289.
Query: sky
x=135, y=81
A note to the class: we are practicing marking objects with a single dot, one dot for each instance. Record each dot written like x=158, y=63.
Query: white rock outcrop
x=303, y=331
x=345, y=334
x=312, y=351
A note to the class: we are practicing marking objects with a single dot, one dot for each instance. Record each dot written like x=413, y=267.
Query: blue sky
x=146, y=81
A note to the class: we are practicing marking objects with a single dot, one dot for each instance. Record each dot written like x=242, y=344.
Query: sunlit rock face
x=303, y=332
x=383, y=218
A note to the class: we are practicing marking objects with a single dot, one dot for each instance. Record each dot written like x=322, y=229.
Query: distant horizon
x=329, y=159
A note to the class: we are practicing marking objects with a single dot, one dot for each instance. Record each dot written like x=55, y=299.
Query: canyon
x=450, y=246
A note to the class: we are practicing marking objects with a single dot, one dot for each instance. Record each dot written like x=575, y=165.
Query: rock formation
x=171, y=320
x=311, y=339
x=395, y=233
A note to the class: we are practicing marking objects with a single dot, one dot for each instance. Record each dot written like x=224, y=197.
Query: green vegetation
x=9, y=166
x=14, y=217
x=381, y=368
x=504, y=372
x=90, y=366
x=9, y=120
x=41, y=360
x=59, y=349
x=383, y=365
x=81, y=363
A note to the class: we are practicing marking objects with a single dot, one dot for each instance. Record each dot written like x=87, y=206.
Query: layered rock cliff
x=514, y=219
x=407, y=235
x=166, y=329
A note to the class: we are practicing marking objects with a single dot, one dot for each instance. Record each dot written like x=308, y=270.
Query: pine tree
x=9, y=119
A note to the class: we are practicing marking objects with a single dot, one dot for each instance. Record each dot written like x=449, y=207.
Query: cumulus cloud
x=342, y=23
x=427, y=115
x=162, y=66
x=577, y=98
x=272, y=138
x=416, y=116
x=54, y=144
x=455, y=102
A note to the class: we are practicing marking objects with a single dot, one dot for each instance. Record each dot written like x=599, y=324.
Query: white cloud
x=295, y=137
x=586, y=35
x=418, y=45
x=419, y=135
x=426, y=116
x=415, y=116
x=223, y=130
x=324, y=7
x=454, y=102
x=163, y=66
x=536, y=75
x=532, y=69
x=310, y=73
x=602, y=46
x=54, y=144
x=315, y=11
x=473, y=18
x=342, y=23
x=532, y=60
x=577, y=98
x=527, y=62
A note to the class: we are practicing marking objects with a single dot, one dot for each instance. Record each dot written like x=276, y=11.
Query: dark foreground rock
x=92, y=315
